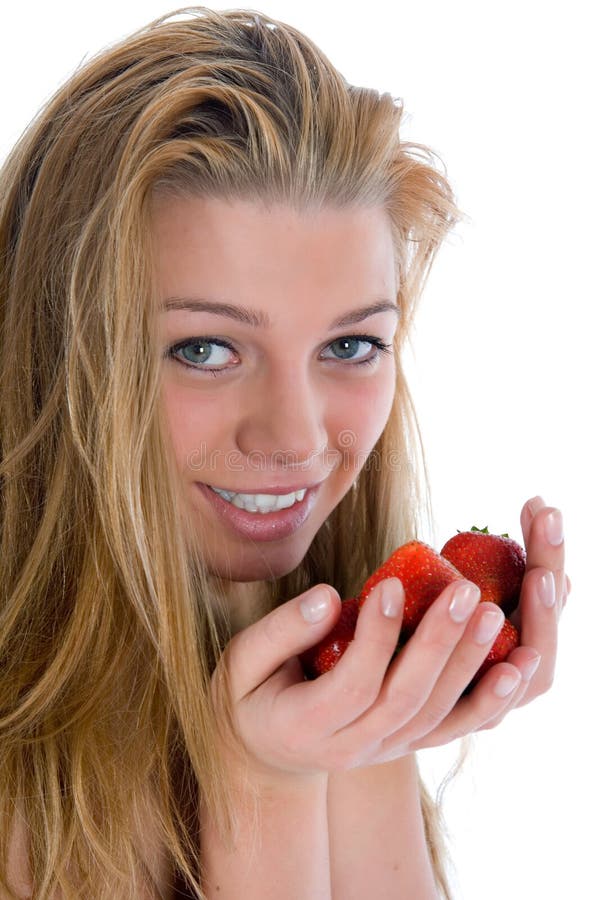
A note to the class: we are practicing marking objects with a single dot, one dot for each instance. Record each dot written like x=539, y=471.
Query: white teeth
x=261, y=503
x=226, y=494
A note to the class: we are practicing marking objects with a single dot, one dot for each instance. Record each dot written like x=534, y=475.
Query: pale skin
x=333, y=758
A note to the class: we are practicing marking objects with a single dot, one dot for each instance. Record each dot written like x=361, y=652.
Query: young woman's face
x=264, y=391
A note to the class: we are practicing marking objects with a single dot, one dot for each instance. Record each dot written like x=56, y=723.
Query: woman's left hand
x=543, y=595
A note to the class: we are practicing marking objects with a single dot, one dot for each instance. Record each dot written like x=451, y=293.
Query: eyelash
x=171, y=351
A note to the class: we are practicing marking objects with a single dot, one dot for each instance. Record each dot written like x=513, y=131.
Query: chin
x=258, y=565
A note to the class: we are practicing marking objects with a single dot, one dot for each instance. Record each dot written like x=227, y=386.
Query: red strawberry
x=324, y=655
x=494, y=562
x=505, y=643
x=424, y=574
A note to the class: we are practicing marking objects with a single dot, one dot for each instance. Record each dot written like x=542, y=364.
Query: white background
x=504, y=368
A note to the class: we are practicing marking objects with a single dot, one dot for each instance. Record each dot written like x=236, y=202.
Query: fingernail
x=489, y=624
x=553, y=527
x=530, y=667
x=506, y=685
x=315, y=606
x=547, y=589
x=392, y=595
x=535, y=504
x=464, y=600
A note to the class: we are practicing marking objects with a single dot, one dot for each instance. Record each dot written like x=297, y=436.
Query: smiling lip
x=276, y=490
x=270, y=526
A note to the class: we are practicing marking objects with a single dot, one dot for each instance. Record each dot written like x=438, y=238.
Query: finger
x=539, y=627
x=544, y=540
x=461, y=668
x=354, y=683
x=257, y=651
x=526, y=660
x=543, y=529
x=487, y=701
x=462, y=665
x=414, y=673
x=529, y=510
x=545, y=544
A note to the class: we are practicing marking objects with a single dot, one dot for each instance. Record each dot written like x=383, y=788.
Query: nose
x=283, y=424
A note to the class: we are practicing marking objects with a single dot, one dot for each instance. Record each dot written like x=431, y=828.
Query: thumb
x=259, y=650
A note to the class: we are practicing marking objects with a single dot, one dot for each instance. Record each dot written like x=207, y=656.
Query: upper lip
x=275, y=489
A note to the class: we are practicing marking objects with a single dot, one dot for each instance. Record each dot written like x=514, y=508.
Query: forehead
x=252, y=243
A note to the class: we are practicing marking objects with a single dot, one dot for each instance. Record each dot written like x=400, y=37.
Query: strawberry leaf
x=485, y=531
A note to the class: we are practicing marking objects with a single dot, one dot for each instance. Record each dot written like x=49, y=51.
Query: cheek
x=362, y=415
x=192, y=425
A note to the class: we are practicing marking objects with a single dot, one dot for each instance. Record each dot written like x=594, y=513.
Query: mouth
x=262, y=516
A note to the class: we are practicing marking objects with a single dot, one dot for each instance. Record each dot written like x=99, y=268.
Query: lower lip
x=262, y=526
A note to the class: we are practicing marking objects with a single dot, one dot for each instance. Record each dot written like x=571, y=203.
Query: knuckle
x=377, y=642
x=439, y=641
x=438, y=646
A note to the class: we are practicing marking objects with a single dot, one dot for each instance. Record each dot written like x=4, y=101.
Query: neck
x=246, y=602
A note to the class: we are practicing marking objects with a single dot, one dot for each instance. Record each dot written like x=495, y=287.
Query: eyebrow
x=259, y=319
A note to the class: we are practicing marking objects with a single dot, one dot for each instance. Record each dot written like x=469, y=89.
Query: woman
x=211, y=194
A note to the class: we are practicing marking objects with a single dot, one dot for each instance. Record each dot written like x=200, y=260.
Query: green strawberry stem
x=482, y=531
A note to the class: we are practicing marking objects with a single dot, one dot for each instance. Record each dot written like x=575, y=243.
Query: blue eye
x=200, y=350
x=349, y=345
x=194, y=353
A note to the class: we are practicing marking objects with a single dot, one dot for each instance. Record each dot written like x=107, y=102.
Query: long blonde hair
x=107, y=643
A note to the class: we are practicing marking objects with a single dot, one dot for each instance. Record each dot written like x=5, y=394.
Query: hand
x=372, y=708
x=544, y=593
